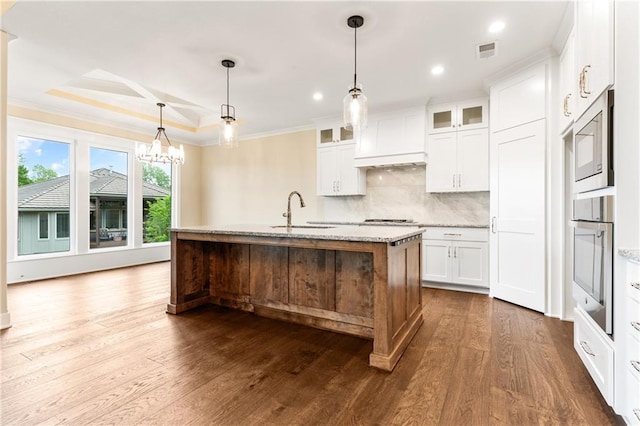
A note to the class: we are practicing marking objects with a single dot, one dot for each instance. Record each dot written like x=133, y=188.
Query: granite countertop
x=404, y=224
x=378, y=234
x=631, y=254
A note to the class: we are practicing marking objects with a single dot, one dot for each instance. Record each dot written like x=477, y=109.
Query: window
x=108, y=197
x=62, y=225
x=156, y=202
x=43, y=190
x=43, y=226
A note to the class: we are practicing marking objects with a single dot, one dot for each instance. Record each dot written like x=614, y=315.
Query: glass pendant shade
x=355, y=108
x=228, y=132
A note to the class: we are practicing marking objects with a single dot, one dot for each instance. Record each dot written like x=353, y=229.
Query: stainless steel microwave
x=593, y=146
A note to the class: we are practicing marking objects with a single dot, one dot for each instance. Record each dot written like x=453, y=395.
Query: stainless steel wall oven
x=593, y=257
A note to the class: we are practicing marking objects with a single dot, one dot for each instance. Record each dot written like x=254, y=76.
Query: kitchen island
x=359, y=280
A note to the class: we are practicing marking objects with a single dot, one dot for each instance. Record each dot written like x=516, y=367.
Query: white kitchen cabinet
x=331, y=133
x=456, y=256
x=393, y=138
x=458, y=161
x=472, y=114
x=336, y=173
x=596, y=352
x=628, y=354
x=594, y=51
x=567, y=83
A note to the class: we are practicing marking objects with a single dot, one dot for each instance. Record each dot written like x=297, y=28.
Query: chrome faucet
x=287, y=214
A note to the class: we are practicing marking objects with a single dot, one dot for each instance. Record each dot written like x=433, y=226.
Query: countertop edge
x=301, y=234
x=630, y=254
x=418, y=224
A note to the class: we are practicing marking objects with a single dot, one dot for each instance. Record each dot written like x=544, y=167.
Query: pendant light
x=155, y=152
x=228, y=133
x=355, y=103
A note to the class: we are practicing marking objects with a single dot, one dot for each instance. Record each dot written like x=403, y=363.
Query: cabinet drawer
x=595, y=351
x=457, y=234
x=633, y=281
x=632, y=409
x=633, y=317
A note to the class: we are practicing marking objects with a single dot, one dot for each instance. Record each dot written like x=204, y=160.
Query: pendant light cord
x=227, y=91
x=355, y=55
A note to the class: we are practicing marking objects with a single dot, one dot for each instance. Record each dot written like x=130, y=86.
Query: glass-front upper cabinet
x=458, y=116
x=331, y=133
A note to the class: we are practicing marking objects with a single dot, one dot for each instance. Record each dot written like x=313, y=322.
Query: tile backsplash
x=399, y=192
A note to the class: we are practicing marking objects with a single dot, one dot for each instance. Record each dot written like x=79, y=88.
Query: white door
x=517, y=206
x=473, y=160
x=441, y=163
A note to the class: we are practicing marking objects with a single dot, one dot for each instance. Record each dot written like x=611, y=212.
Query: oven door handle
x=592, y=226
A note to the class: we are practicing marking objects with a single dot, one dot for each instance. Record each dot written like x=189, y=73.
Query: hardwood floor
x=99, y=349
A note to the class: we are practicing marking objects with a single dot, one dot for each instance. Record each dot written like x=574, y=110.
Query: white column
x=5, y=318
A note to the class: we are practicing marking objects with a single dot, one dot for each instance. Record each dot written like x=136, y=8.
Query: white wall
x=250, y=184
x=5, y=318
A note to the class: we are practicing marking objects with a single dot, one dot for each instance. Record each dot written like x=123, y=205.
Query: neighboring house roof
x=53, y=194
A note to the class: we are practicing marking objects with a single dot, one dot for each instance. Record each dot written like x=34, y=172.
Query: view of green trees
x=158, y=223
x=38, y=173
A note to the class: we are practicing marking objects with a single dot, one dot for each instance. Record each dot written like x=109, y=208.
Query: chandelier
x=155, y=152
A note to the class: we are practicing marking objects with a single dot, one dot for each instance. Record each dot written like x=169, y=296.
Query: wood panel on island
x=363, y=281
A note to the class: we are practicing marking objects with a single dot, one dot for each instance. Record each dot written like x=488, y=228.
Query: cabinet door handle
x=452, y=235
x=453, y=181
x=565, y=106
x=636, y=325
x=636, y=411
x=459, y=185
x=493, y=225
x=455, y=252
x=585, y=70
x=636, y=365
x=581, y=84
x=448, y=251
x=338, y=183
x=635, y=285
x=586, y=348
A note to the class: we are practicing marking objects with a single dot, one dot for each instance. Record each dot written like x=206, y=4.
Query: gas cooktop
x=389, y=220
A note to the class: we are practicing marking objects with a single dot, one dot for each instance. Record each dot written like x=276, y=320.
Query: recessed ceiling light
x=317, y=96
x=437, y=70
x=496, y=27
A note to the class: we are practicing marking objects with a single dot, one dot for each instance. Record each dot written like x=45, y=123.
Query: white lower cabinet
x=630, y=358
x=596, y=352
x=456, y=256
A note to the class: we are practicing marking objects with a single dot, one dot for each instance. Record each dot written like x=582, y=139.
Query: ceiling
x=111, y=62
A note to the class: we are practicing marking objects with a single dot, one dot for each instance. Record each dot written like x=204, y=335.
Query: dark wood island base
x=364, y=288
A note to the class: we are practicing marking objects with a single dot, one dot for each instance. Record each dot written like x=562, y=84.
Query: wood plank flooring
x=99, y=349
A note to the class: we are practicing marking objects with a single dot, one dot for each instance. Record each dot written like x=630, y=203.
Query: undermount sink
x=304, y=226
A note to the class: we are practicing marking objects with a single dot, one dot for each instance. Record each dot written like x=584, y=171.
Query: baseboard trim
x=5, y=320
